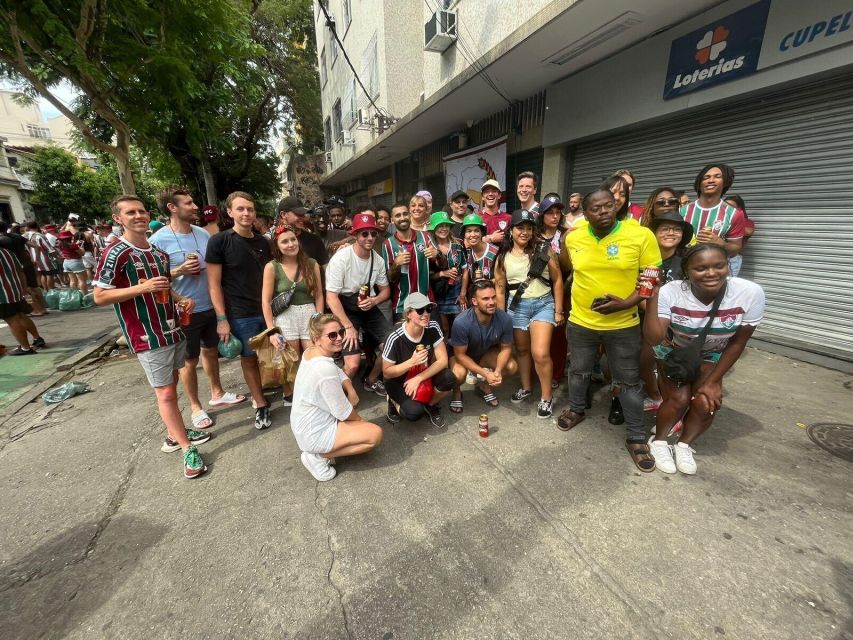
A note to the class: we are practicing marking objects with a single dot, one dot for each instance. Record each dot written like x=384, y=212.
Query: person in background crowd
x=84, y=240
x=673, y=235
x=605, y=260
x=482, y=339
x=574, y=213
x=401, y=358
x=332, y=238
x=528, y=268
x=14, y=307
x=458, y=210
x=406, y=256
x=235, y=266
x=634, y=210
x=19, y=246
x=496, y=221
x=352, y=269
x=263, y=225
x=210, y=219
x=525, y=191
x=323, y=418
x=445, y=269
x=383, y=221
x=72, y=263
x=129, y=273
x=479, y=256
x=675, y=315
x=100, y=239
x=41, y=254
x=427, y=196
x=418, y=215
x=618, y=186
x=154, y=226
x=292, y=213
x=661, y=200
x=186, y=246
x=714, y=220
x=550, y=230
x=291, y=269
x=683, y=198
x=337, y=214
x=735, y=262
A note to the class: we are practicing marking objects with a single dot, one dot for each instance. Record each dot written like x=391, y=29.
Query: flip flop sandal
x=490, y=399
x=456, y=406
x=641, y=455
x=227, y=398
x=199, y=418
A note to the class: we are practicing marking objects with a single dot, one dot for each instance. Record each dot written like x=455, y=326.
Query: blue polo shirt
x=479, y=338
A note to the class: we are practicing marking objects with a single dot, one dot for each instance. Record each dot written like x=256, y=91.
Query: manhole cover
x=835, y=438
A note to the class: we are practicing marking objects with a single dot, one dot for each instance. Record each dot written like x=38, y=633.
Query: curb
x=64, y=369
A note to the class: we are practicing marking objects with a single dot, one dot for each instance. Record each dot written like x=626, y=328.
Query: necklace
x=179, y=242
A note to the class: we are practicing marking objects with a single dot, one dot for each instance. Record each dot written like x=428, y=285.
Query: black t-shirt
x=314, y=247
x=17, y=245
x=243, y=261
x=399, y=346
x=671, y=269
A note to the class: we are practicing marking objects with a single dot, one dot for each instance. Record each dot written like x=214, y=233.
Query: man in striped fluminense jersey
x=132, y=275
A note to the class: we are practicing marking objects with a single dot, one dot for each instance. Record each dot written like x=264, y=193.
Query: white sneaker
x=318, y=466
x=684, y=459
x=470, y=378
x=662, y=453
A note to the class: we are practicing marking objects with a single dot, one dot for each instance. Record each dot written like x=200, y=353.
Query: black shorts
x=409, y=409
x=373, y=324
x=201, y=332
x=30, y=275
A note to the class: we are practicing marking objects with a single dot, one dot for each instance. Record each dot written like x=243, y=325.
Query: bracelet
x=221, y=318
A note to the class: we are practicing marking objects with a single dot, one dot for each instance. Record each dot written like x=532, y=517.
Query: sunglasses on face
x=427, y=309
x=369, y=234
x=334, y=336
x=666, y=201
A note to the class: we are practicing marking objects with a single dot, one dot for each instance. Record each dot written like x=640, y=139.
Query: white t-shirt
x=319, y=403
x=346, y=272
x=742, y=304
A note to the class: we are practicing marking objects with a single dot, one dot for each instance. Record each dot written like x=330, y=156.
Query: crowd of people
x=416, y=305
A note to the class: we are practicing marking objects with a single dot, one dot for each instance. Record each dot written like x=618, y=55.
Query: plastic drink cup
x=184, y=314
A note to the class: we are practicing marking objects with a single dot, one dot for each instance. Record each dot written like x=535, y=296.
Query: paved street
x=65, y=334
x=531, y=533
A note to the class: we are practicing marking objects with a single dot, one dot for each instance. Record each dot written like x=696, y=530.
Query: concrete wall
x=626, y=89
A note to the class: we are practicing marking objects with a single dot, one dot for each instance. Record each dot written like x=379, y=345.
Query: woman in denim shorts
x=540, y=308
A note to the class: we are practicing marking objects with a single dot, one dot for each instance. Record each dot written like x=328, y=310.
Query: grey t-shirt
x=479, y=338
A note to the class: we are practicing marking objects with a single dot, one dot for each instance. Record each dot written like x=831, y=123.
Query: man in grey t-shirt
x=481, y=338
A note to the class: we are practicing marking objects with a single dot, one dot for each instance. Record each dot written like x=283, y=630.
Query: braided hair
x=726, y=170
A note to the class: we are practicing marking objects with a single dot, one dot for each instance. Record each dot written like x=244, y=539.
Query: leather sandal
x=641, y=455
x=569, y=419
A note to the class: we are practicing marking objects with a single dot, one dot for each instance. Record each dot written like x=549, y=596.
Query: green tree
x=63, y=186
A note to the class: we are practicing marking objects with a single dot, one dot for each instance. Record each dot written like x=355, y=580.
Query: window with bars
x=350, y=105
x=336, y=120
x=324, y=74
x=347, y=6
x=370, y=72
x=327, y=134
x=38, y=132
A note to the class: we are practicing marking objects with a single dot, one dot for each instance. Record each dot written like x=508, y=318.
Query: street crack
x=332, y=558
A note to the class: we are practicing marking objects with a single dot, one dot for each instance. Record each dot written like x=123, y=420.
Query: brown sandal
x=641, y=455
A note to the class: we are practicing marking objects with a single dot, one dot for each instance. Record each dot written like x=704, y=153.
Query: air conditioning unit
x=328, y=157
x=440, y=31
x=364, y=119
x=347, y=139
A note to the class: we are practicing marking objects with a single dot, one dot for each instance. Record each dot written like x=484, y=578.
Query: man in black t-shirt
x=291, y=211
x=17, y=244
x=235, y=266
x=406, y=368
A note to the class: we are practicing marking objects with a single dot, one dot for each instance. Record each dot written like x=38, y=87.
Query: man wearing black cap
x=458, y=211
x=337, y=213
x=291, y=212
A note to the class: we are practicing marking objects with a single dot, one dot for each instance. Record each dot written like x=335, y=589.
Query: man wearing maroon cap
x=210, y=219
x=356, y=281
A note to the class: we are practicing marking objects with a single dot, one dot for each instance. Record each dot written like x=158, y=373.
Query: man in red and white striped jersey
x=133, y=276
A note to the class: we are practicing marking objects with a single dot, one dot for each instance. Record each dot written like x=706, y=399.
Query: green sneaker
x=193, y=464
x=195, y=437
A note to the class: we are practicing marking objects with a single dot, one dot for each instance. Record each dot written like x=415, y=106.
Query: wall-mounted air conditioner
x=364, y=119
x=328, y=157
x=440, y=31
x=347, y=139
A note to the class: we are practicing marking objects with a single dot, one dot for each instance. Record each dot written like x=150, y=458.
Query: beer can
x=478, y=274
x=647, y=281
x=184, y=315
x=484, y=425
x=362, y=292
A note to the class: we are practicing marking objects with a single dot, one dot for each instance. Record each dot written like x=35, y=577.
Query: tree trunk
x=122, y=156
x=209, y=184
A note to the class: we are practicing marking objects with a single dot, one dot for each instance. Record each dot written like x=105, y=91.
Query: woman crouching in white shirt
x=323, y=418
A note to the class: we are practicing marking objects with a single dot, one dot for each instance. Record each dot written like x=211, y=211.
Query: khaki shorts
x=160, y=364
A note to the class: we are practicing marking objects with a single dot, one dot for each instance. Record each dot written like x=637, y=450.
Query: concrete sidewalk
x=531, y=533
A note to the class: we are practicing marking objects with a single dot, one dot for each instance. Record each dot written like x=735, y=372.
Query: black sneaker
x=377, y=387
x=520, y=396
x=392, y=414
x=262, y=417
x=544, y=410
x=616, y=416
x=435, y=417
x=39, y=343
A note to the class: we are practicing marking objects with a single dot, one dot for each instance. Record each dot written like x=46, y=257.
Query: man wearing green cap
x=479, y=256
x=406, y=254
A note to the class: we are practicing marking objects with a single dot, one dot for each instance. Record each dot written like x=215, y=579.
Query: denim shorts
x=246, y=328
x=76, y=265
x=539, y=309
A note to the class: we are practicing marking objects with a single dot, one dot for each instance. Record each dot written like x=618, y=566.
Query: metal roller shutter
x=792, y=152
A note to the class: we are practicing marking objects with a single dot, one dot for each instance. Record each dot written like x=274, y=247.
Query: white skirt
x=293, y=322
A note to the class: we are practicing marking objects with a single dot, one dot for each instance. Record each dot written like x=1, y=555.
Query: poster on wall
x=723, y=50
x=467, y=170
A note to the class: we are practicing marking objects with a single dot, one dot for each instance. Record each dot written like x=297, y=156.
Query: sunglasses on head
x=368, y=234
x=427, y=309
x=667, y=201
x=336, y=335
